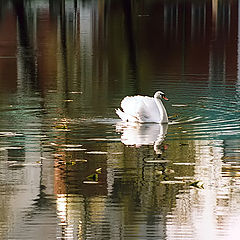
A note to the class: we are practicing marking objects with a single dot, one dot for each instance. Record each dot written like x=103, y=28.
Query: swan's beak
x=165, y=98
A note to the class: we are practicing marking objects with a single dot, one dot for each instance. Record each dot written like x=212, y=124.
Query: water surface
x=69, y=169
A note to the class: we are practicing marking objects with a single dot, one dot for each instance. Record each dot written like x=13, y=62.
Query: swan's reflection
x=137, y=134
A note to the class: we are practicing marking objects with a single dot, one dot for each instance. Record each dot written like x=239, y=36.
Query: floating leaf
x=99, y=170
x=173, y=116
x=197, y=184
x=71, y=163
x=93, y=177
x=61, y=126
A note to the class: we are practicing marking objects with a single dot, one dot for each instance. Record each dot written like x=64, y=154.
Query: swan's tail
x=121, y=114
x=126, y=117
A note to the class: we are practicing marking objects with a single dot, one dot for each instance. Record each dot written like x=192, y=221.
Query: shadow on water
x=69, y=168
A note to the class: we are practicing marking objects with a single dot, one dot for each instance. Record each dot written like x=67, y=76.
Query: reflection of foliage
x=148, y=182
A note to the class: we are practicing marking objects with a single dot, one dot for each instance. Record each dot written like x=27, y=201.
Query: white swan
x=143, y=109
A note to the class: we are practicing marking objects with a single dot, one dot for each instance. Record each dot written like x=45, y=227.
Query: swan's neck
x=162, y=111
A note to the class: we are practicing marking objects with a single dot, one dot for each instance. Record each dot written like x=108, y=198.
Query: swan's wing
x=149, y=110
x=143, y=109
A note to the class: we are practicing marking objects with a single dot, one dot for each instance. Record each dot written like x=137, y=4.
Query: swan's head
x=160, y=95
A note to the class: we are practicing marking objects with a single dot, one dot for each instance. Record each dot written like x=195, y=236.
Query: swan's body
x=143, y=109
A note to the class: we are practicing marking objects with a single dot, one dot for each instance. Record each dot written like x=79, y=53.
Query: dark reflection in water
x=69, y=169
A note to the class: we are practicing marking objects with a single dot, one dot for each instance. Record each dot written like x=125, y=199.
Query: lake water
x=70, y=169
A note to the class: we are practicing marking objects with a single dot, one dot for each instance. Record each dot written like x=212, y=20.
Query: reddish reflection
x=161, y=36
